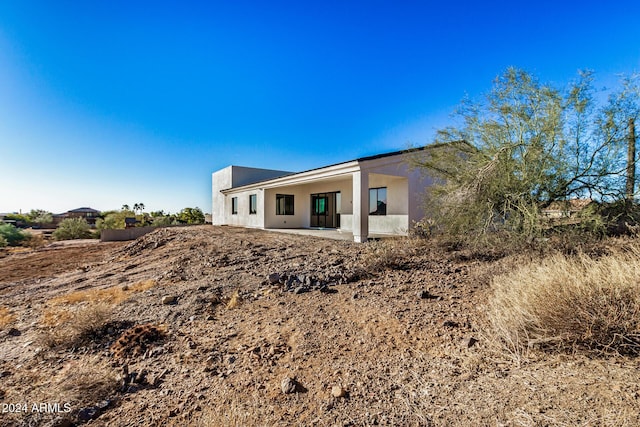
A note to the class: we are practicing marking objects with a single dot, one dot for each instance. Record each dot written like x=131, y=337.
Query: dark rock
x=425, y=294
x=274, y=278
x=14, y=332
x=469, y=342
x=140, y=377
x=300, y=290
x=450, y=324
x=86, y=414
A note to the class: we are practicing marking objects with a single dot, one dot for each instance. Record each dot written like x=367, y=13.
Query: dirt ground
x=217, y=326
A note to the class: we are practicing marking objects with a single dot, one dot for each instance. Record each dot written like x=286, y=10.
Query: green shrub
x=191, y=216
x=11, y=235
x=72, y=228
x=162, y=221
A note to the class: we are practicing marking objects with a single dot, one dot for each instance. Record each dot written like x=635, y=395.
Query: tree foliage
x=10, y=235
x=114, y=219
x=525, y=145
x=72, y=228
x=40, y=216
x=191, y=216
x=21, y=220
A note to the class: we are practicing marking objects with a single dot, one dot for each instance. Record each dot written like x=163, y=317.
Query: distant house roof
x=83, y=210
x=573, y=205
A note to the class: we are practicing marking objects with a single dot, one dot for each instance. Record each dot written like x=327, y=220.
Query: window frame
x=253, y=204
x=234, y=206
x=288, y=202
x=377, y=199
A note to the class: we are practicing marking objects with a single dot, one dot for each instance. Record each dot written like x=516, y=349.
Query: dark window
x=378, y=201
x=253, y=204
x=284, y=204
x=234, y=205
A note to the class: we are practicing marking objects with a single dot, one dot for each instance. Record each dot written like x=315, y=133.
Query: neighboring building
x=91, y=215
x=3, y=219
x=565, y=209
x=130, y=222
x=377, y=194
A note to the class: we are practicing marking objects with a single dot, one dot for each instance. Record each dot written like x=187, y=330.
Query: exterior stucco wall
x=236, y=176
x=219, y=181
x=302, y=202
x=415, y=182
x=405, y=188
x=389, y=224
x=301, y=209
x=243, y=217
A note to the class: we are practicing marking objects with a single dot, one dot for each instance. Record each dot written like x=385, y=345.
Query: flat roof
x=361, y=159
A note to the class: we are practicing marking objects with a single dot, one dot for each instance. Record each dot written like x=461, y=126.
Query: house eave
x=326, y=172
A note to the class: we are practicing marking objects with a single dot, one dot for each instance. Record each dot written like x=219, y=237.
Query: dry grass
x=112, y=295
x=577, y=303
x=234, y=301
x=75, y=317
x=386, y=254
x=66, y=328
x=78, y=384
x=35, y=241
x=6, y=317
x=85, y=382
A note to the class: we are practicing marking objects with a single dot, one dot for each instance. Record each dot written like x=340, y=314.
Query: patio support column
x=360, y=206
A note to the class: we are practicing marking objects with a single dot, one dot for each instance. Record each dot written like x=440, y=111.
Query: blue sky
x=106, y=103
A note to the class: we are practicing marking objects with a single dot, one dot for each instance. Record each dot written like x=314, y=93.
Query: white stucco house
x=377, y=194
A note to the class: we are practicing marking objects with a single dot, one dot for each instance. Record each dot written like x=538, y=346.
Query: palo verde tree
x=525, y=145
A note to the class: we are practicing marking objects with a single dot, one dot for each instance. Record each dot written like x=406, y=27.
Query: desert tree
x=72, y=228
x=190, y=216
x=525, y=145
x=39, y=216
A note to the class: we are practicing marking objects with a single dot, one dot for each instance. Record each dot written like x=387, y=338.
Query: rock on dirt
x=338, y=391
x=289, y=385
x=169, y=299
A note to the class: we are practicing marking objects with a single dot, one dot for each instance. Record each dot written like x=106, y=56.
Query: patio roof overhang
x=329, y=173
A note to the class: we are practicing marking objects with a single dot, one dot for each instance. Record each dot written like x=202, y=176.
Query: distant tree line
x=11, y=234
x=117, y=219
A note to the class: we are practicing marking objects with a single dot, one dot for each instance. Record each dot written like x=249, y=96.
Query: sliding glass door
x=325, y=210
